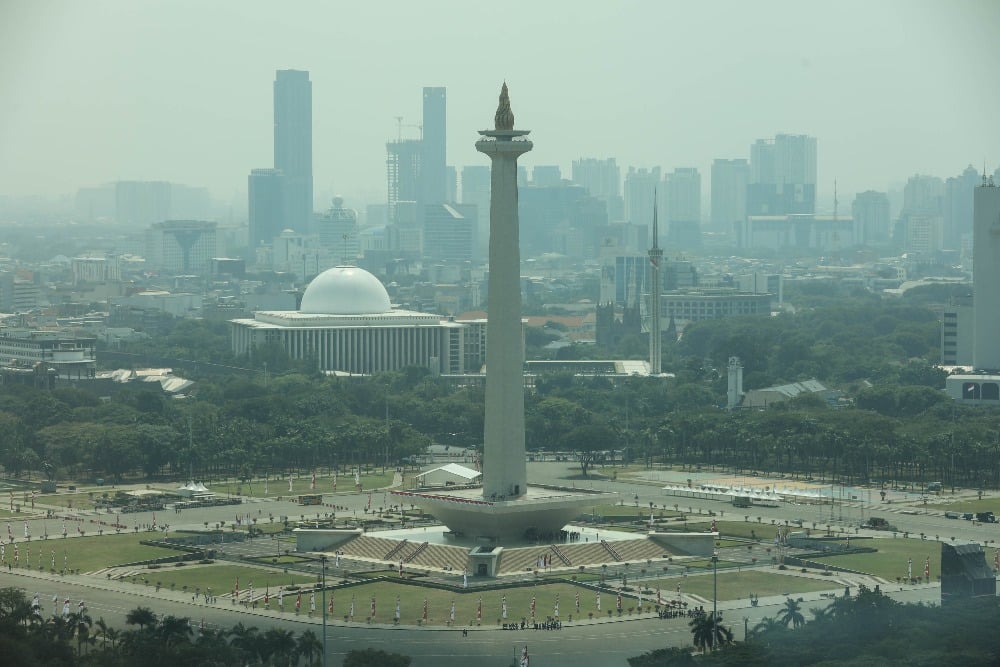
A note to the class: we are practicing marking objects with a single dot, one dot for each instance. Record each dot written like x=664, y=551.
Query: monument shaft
x=505, y=472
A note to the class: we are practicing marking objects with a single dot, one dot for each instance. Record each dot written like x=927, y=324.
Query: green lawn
x=890, y=560
x=370, y=481
x=220, y=578
x=735, y=585
x=439, y=603
x=984, y=505
x=95, y=552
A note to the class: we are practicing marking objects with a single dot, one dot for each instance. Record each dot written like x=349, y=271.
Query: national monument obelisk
x=505, y=473
x=505, y=510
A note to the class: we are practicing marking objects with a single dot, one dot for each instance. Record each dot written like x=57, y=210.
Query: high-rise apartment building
x=403, y=170
x=871, y=214
x=682, y=194
x=433, y=167
x=729, y=193
x=923, y=203
x=293, y=145
x=266, y=199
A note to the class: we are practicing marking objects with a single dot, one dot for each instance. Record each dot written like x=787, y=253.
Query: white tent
x=448, y=475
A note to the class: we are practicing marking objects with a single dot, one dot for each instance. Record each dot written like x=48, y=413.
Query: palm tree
x=103, y=628
x=703, y=628
x=767, y=626
x=308, y=646
x=247, y=640
x=174, y=630
x=80, y=623
x=141, y=616
x=114, y=636
x=278, y=644
x=791, y=614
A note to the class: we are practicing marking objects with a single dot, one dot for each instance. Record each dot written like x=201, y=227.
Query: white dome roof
x=345, y=290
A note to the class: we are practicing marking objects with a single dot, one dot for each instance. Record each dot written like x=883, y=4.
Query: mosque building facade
x=346, y=322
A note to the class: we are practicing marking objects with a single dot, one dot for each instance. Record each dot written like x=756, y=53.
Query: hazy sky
x=102, y=90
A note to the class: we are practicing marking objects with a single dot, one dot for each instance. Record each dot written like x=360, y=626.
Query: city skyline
x=84, y=114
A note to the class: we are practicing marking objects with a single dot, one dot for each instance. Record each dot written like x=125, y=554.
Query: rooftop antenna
x=399, y=128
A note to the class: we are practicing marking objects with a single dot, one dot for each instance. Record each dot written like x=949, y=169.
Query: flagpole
x=322, y=560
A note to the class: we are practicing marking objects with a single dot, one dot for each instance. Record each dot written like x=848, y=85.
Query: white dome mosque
x=345, y=290
x=347, y=324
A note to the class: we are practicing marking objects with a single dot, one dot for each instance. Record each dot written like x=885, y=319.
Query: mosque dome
x=345, y=290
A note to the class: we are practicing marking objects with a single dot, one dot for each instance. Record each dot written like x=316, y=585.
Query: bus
x=311, y=499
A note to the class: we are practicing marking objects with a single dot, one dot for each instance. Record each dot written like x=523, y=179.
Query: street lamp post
x=715, y=594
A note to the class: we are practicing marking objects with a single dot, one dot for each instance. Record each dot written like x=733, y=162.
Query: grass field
x=984, y=505
x=734, y=585
x=890, y=561
x=371, y=481
x=221, y=578
x=93, y=553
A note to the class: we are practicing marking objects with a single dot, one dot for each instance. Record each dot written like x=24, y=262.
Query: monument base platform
x=540, y=513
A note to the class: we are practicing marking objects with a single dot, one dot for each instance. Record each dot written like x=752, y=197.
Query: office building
x=682, y=195
x=708, y=304
x=729, y=193
x=545, y=175
x=69, y=357
x=870, y=211
x=782, y=176
x=266, y=200
x=337, y=230
x=141, y=203
x=603, y=180
x=640, y=190
x=181, y=247
x=449, y=232
x=403, y=167
x=802, y=231
x=293, y=145
x=957, y=332
x=433, y=167
x=476, y=192
x=957, y=206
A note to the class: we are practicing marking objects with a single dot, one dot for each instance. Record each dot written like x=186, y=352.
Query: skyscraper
x=683, y=198
x=266, y=195
x=729, y=193
x=640, y=189
x=871, y=214
x=433, y=168
x=603, y=179
x=293, y=145
x=655, y=340
x=782, y=175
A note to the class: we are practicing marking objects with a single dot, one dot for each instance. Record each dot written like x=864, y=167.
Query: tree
x=277, y=643
x=141, y=616
x=309, y=647
x=174, y=630
x=588, y=441
x=791, y=614
x=371, y=657
x=703, y=628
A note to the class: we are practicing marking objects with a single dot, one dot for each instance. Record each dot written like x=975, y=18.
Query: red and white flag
x=236, y=591
x=659, y=598
x=330, y=606
x=532, y=605
x=373, y=606
x=598, y=600
x=298, y=602
x=618, y=604
x=927, y=568
x=578, y=603
x=424, y=612
x=524, y=657
x=312, y=482
x=479, y=609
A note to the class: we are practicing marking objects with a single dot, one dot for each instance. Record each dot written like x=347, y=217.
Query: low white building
x=451, y=474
